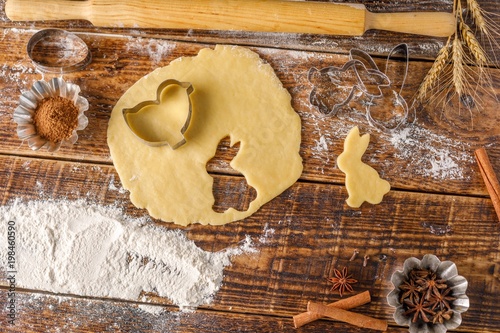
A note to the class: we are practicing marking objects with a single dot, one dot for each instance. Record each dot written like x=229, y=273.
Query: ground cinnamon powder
x=55, y=118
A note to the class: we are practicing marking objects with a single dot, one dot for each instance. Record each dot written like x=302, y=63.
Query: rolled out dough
x=236, y=95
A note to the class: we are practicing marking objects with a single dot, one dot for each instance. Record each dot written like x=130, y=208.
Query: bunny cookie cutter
x=137, y=108
x=334, y=87
x=395, y=98
x=354, y=76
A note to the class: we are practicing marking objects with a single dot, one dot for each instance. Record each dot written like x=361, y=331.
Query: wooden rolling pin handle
x=438, y=24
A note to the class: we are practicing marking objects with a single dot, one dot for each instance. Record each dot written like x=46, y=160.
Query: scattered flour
x=152, y=309
x=26, y=165
x=321, y=144
x=112, y=186
x=320, y=151
x=266, y=234
x=109, y=315
x=156, y=49
x=445, y=157
x=74, y=247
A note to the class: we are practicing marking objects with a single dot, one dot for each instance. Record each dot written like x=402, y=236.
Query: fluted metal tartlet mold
x=444, y=270
x=28, y=103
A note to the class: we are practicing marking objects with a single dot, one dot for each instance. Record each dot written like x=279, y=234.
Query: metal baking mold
x=28, y=103
x=445, y=270
x=174, y=145
x=58, y=51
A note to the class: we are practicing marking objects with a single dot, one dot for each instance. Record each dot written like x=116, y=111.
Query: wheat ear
x=477, y=15
x=434, y=72
x=473, y=44
x=458, y=76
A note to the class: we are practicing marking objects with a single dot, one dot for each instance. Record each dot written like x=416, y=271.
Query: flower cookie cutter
x=137, y=108
x=58, y=51
x=334, y=87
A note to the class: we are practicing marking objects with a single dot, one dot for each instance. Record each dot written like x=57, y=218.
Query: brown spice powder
x=55, y=118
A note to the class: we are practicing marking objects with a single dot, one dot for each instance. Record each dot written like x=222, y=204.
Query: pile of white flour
x=74, y=247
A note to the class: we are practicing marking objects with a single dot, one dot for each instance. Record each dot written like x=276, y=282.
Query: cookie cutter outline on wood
x=174, y=145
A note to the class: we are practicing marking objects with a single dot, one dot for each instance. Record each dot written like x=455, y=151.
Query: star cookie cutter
x=174, y=145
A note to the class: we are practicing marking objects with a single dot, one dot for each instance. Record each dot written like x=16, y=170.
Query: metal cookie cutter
x=174, y=145
x=335, y=87
x=389, y=93
x=58, y=51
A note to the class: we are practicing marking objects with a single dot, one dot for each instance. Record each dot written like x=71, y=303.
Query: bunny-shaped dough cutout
x=363, y=183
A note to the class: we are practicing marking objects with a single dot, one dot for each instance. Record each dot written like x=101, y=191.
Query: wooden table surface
x=438, y=203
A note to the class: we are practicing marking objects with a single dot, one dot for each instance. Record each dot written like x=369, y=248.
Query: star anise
x=442, y=316
x=419, y=309
x=441, y=300
x=409, y=290
x=431, y=285
x=342, y=281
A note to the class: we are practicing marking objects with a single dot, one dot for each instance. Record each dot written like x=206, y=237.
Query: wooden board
x=120, y=61
x=74, y=315
x=314, y=232
x=438, y=203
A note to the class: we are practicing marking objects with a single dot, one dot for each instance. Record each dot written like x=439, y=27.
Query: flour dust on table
x=75, y=247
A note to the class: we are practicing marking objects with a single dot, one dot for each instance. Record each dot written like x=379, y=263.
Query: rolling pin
x=245, y=15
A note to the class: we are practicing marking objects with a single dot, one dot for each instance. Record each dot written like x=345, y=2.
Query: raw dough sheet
x=236, y=95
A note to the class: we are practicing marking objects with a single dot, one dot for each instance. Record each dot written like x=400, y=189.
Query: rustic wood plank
x=304, y=234
x=376, y=42
x=48, y=313
x=434, y=154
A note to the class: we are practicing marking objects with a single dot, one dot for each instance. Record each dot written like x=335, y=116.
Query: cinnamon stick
x=346, y=304
x=345, y=316
x=489, y=178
